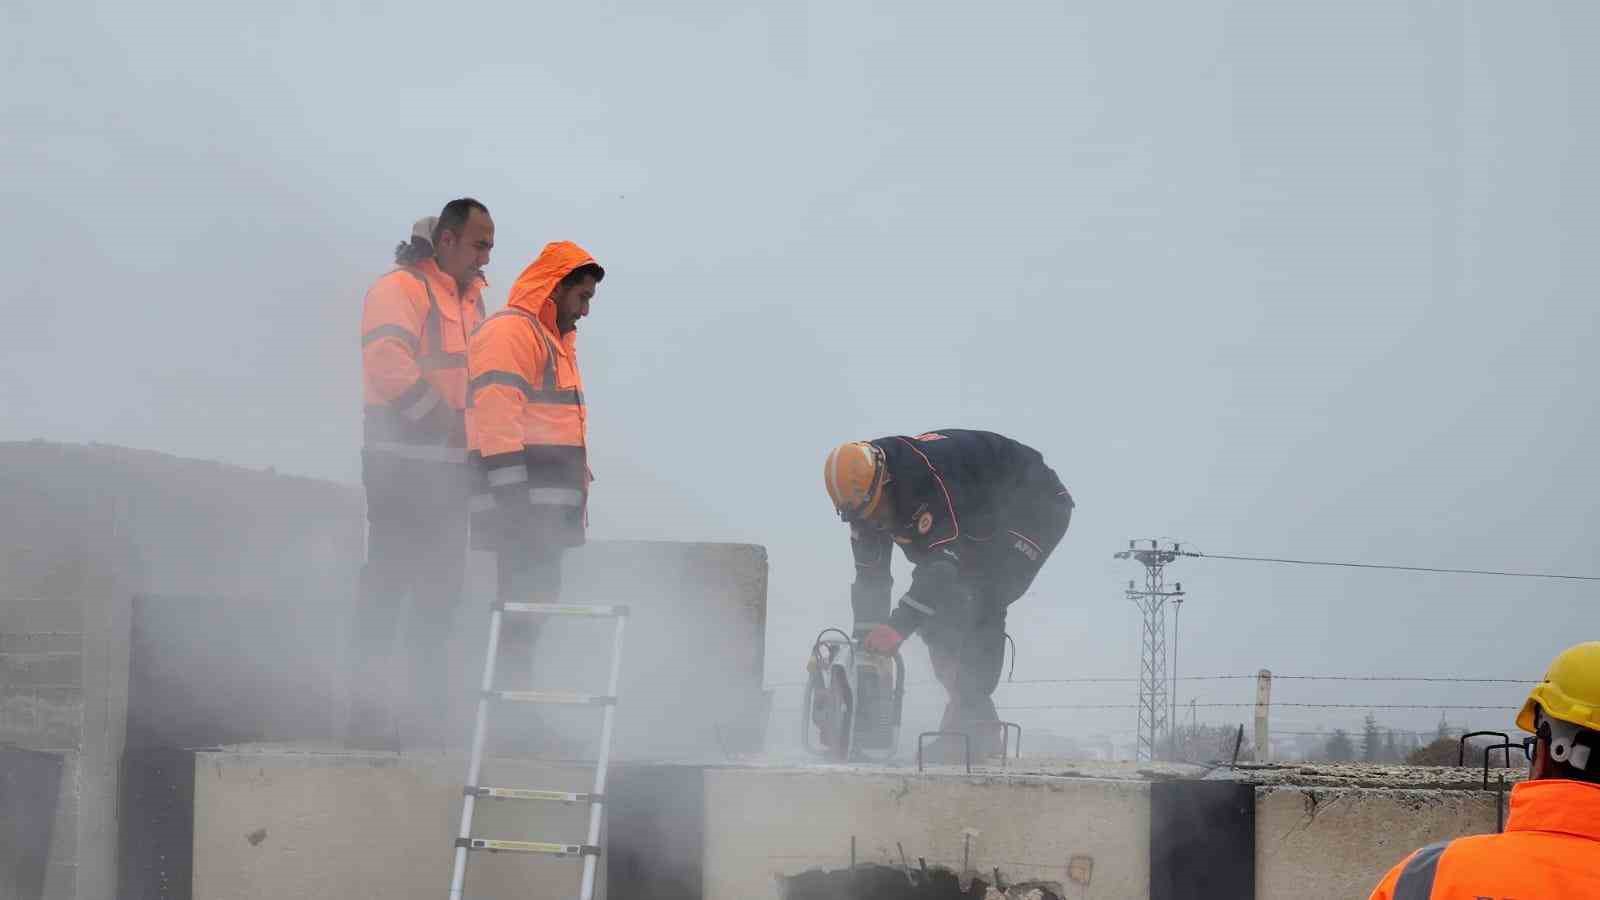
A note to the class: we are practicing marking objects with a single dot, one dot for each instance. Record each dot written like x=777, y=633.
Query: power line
x=1077, y=706
x=1368, y=705
x=1356, y=565
x=1439, y=679
x=1088, y=680
x=1453, y=679
x=1356, y=732
x=1271, y=705
x=1276, y=676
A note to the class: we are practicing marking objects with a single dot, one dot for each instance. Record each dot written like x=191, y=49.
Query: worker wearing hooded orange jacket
x=415, y=327
x=1551, y=843
x=527, y=430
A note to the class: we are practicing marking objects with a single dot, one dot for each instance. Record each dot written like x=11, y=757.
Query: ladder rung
x=564, y=697
x=564, y=609
x=524, y=794
x=528, y=847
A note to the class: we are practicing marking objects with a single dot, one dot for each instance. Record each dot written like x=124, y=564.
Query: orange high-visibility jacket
x=526, y=419
x=414, y=334
x=1550, y=848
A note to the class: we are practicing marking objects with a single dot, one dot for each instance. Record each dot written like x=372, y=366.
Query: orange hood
x=537, y=283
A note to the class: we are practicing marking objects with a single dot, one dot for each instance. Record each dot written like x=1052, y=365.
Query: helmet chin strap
x=1564, y=746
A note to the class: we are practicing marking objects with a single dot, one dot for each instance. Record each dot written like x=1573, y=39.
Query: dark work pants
x=412, y=578
x=525, y=575
x=967, y=645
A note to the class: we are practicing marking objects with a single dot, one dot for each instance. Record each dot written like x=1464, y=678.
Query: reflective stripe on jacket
x=946, y=488
x=414, y=334
x=1550, y=848
x=526, y=419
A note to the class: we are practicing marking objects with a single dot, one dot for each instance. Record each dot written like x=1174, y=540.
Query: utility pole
x=1263, y=710
x=1172, y=720
x=1156, y=705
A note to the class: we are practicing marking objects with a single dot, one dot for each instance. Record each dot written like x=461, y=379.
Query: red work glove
x=883, y=639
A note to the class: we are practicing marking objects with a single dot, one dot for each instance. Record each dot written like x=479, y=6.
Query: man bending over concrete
x=977, y=513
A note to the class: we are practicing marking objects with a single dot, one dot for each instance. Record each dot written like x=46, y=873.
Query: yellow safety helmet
x=1570, y=691
x=854, y=474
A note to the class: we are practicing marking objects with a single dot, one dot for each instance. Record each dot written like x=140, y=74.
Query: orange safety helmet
x=855, y=474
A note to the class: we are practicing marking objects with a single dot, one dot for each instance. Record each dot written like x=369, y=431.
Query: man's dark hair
x=587, y=270
x=454, y=216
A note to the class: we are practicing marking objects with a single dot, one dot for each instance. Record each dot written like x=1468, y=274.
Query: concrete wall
x=42, y=709
x=271, y=822
x=1335, y=843
x=38, y=823
x=225, y=669
x=762, y=824
x=274, y=822
x=41, y=687
x=88, y=519
x=88, y=527
x=272, y=562
x=283, y=823
x=692, y=668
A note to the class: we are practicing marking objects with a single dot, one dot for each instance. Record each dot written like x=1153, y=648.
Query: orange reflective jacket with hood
x=526, y=420
x=415, y=327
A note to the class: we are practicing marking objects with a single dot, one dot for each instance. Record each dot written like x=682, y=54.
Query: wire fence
x=1450, y=679
x=1117, y=679
x=1284, y=723
x=1413, y=706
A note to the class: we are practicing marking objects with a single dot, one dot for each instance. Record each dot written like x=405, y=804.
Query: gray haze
x=1300, y=279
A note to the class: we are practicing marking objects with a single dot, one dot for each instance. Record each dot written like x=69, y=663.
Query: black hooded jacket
x=947, y=489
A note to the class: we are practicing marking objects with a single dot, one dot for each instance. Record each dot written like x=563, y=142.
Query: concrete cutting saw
x=853, y=700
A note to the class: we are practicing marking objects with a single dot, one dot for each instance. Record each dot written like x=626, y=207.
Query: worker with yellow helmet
x=1551, y=845
x=977, y=514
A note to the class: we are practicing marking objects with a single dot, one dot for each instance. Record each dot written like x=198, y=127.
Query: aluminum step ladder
x=589, y=851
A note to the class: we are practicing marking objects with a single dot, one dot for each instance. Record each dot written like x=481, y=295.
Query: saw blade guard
x=853, y=699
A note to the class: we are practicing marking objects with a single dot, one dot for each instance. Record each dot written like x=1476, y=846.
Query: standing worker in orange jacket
x=527, y=430
x=415, y=327
x=1551, y=845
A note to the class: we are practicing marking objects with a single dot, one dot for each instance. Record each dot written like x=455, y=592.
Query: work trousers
x=412, y=579
x=529, y=572
x=525, y=575
x=966, y=643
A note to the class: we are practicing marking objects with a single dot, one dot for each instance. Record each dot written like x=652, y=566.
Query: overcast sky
x=1307, y=279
